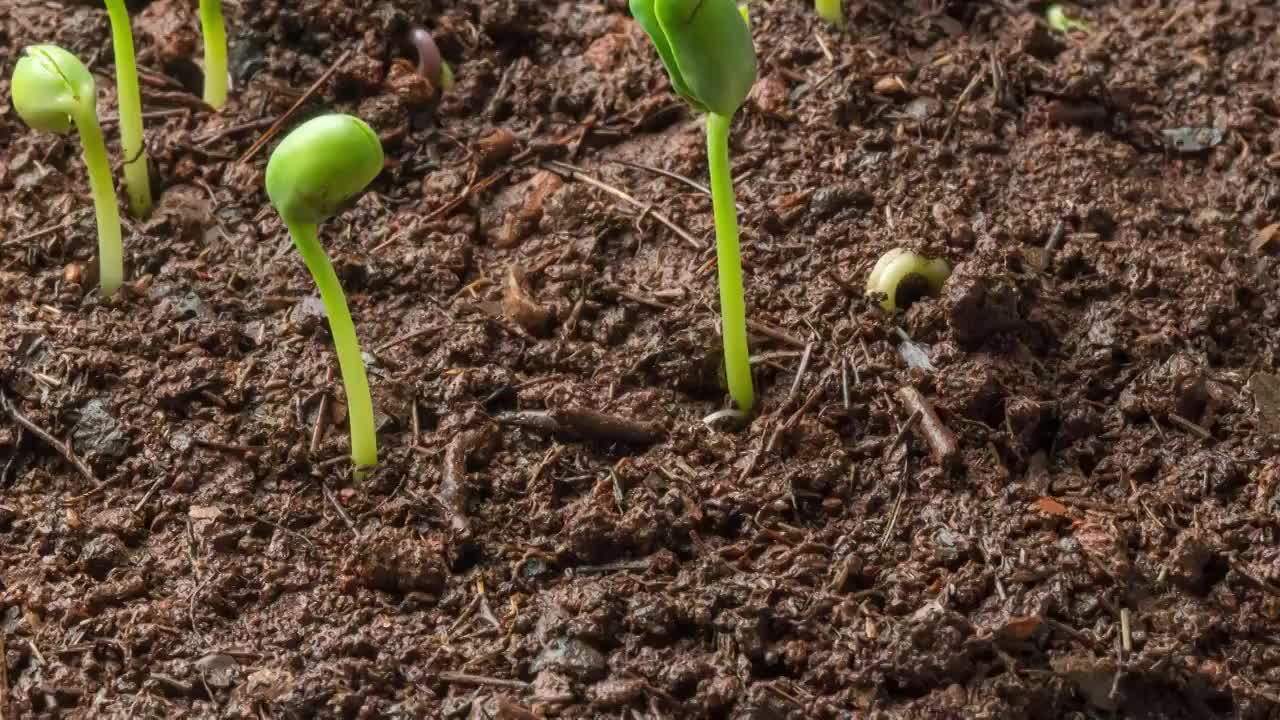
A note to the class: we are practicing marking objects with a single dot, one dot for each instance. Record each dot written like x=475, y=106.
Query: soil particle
x=1266, y=399
x=1191, y=559
x=101, y=554
x=218, y=670
x=615, y=693
x=571, y=657
x=1176, y=386
x=396, y=560
x=981, y=300
x=98, y=433
x=167, y=29
x=121, y=522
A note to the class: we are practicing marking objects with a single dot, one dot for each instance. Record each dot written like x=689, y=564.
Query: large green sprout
x=830, y=10
x=136, y=177
x=315, y=170
x=706, y=48
x=53, y=90
x=215, y=53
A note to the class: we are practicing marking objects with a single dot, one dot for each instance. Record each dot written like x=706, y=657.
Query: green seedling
x=431, y=63
x=706, y=48
x=1057, y=18
x=137, y=181
x=215, y=53
x=830, y=10
x=52, y=90
x=901, y=276
x=319, y=167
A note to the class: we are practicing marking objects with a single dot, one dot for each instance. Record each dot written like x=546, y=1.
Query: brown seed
x=73, y=273
x=891, y=85
x=494, y=147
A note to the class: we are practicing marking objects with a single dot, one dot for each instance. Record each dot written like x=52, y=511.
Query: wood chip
x=1262, y=241
x=1049, y=506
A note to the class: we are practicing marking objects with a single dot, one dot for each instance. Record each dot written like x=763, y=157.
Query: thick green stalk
x=110, y=251
x=215, y=53
x=830, y=10
x=364, y=440
x=135, y=154
x=733, y=307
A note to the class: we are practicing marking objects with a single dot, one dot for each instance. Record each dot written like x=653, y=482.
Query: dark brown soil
x=1101, y=541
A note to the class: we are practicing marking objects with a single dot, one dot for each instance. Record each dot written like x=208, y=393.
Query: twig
x=150, y=491
x=576, y=173
x=453, y=490
x=964, y=96
x=1244, y=572
x=941, y=440
x=227, y=447
x=1056, y=236
x=612, y=567
x=286, y=530
x=457, y=678
x=774, y=333
x=24, y=239
x=13, y=457
x=328, y=495
x=191, y=607
x=804, y=367
x=1126, y=632
x=667, y=174
x=1191, y=427
x=417, y=423
x=233, y=130
x=499, y=95
x=279, y=123
x=4, y=678
x=809, y=402
x=844, y=380
x=148, y=115
x=39, y=432
x=587, y=425
x=897, y=504
x=322, y=414
x=35, y=651
x=404, y=339
x=467, y=192
x=906, y=428
x=755, y=326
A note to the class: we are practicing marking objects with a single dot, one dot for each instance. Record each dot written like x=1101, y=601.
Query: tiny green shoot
x=136, y=178
x=320, y=166
x=1058, y=19
x=901, y=276
x=52, y=90
x=215, y=53
x=706, y=48
x=830, y=10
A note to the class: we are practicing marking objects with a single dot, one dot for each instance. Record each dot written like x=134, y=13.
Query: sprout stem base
x=364, y=440
x=107, y=212
x=733, y=308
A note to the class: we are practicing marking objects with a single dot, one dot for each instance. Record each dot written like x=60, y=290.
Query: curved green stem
x=110, y=250
x=215, y=53
x=733, y=308
x=364, y=440
x=830, y=10
x=135, y=154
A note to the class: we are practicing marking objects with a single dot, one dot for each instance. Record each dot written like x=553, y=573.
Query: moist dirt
x=1052, y=491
